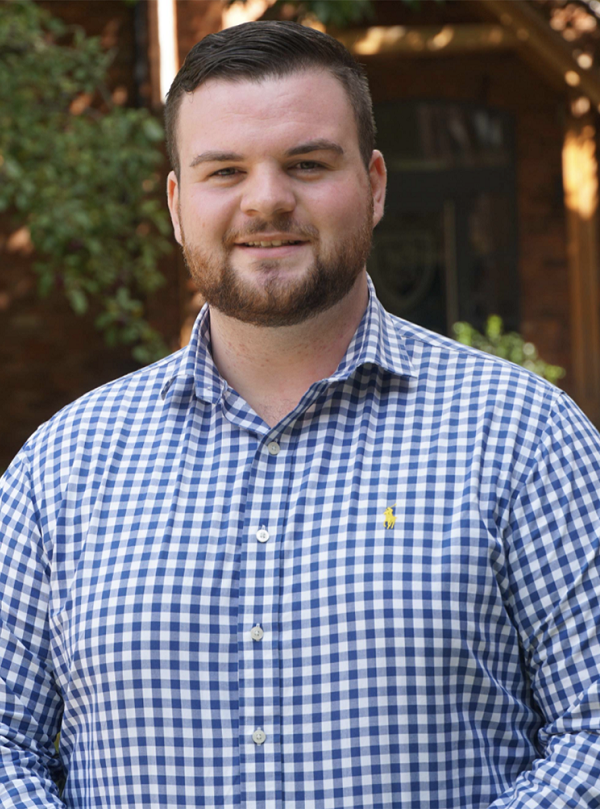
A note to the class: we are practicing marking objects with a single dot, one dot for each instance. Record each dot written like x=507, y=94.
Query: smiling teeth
x=269, y=244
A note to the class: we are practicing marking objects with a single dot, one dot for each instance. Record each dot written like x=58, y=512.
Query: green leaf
x=153, y=130
x=78, y=301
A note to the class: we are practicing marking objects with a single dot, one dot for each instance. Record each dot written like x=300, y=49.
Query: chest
x=351, y=539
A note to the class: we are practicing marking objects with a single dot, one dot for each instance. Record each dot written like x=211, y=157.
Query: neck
x=272, y=368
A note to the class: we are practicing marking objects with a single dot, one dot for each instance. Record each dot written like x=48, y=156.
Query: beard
x=280, y=301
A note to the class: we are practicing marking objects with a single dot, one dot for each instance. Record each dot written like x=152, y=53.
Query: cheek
x=206, y=215
x=342, y=211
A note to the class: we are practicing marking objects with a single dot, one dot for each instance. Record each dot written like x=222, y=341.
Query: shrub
x=510, y=346
x=80, y=173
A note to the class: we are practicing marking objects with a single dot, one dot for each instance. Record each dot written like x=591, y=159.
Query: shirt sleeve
x=552, y=594
x=30, y=705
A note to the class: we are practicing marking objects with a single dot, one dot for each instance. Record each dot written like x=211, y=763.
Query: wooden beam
x=580, y=178
x=427, y=40
x=154, y=55
x=543, y=47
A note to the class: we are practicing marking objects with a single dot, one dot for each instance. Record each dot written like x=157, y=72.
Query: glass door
x=446, y=247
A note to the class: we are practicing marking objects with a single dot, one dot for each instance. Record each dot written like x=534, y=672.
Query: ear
x=173, y=200
x=378, y=180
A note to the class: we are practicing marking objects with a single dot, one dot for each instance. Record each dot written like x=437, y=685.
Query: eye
x=228, y=172
x=308, y=165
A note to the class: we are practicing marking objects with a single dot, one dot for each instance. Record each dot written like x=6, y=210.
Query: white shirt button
x=259, y=736
x=257, y=632
x=262, y=535
x=273, y=448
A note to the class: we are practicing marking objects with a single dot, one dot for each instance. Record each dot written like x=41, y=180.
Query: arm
x=30, y=707
x=552, y=593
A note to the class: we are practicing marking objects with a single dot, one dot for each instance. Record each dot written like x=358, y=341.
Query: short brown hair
x=257, y=50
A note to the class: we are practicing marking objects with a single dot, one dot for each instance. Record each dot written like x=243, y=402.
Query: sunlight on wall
x=442, y=39
x=427, y=39
x=377, y=37
x=237, y=13
x=580, y=172
x=167, y=41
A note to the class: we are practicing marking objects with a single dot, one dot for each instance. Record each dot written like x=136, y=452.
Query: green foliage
x=81, y=173
x=510, y=346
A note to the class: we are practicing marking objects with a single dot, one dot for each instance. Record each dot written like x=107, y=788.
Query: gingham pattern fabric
x=414, y=549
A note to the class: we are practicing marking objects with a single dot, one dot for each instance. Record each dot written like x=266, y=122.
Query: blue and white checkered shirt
x=389, y=600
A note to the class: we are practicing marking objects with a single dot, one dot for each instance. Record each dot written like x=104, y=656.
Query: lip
x=271, y=252
x=276, y=236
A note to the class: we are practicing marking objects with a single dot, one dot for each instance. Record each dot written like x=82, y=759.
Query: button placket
x=258, y=651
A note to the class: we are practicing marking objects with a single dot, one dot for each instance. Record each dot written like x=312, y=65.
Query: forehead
x=225, y=114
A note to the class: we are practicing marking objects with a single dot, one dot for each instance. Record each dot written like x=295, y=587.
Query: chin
x=279, y=292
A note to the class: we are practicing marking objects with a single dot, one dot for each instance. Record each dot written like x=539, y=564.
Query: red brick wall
x=48, y=356
x=196, y=20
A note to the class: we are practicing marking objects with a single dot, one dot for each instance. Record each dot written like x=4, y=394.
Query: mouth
x=271, y=247
x=271, y=243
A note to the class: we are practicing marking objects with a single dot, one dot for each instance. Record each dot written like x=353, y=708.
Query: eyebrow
x=213, y=156
x=320, y=145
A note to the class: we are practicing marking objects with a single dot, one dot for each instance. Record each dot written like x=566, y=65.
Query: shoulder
x=521, y=433
x=447, y=365
x=479, y=400
x=101, y=416
x=138, y=390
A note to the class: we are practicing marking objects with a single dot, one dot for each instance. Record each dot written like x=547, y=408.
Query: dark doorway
x=446, y=249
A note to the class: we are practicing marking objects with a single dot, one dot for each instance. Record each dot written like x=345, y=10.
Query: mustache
x=279, y=224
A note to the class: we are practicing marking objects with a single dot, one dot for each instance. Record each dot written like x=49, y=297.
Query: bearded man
x=321, y=558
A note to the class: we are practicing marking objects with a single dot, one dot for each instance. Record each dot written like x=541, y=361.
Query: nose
x=267, y=192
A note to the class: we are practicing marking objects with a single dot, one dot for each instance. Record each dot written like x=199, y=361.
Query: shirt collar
x=377, y=340
x=194, y=364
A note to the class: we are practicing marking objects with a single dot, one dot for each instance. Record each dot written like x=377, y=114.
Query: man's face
x=274, y=207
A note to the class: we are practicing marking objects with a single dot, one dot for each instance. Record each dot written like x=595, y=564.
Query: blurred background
x=487, y=114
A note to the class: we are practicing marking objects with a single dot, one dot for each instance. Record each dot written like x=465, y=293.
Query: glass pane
x=429, y=135
x=487, y=285
x=407, y=266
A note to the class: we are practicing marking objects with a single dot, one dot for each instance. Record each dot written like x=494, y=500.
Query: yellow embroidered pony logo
x=390, y=517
